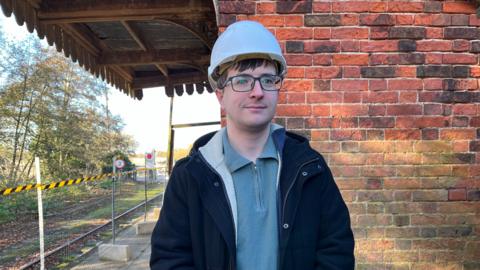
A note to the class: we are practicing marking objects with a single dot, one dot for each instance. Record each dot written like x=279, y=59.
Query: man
x=251, y=196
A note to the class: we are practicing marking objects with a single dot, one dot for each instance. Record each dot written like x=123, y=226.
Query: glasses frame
x=229, y=80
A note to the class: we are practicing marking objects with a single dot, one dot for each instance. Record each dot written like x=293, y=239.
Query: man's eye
x=268, y=80
x=241, y=81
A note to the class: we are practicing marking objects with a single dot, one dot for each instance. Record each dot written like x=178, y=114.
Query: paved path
x=139, y=244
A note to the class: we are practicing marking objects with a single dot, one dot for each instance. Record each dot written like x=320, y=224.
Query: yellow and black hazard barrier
x=69, y=182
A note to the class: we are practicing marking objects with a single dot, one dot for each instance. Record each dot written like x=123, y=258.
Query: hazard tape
x=69, y=182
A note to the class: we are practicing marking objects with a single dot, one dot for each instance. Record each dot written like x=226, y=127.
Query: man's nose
x=257, y=90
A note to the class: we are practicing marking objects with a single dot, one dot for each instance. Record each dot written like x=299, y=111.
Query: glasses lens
x=242, y=83
x=271, y=82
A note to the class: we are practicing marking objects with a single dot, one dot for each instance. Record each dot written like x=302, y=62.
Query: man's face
x=253, y=110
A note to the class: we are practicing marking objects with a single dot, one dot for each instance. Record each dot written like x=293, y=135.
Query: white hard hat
x=244, y=40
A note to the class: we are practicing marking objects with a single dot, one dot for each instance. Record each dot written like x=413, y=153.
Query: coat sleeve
x=171, y=242
x=335, y=245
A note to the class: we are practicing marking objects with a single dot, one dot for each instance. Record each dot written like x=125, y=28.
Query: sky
x=147, y=120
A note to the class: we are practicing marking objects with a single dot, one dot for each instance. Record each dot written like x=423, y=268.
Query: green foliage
x=53, y=109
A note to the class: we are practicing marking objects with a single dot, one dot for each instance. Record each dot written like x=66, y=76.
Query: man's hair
x=243, y=65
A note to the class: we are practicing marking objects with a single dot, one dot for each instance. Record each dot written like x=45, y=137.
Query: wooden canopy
x=130, y=44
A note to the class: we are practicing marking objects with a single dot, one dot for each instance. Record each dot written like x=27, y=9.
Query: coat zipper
x=291, y=186
x=230, y=265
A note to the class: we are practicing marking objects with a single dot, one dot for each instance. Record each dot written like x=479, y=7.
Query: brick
x=405, y=84
x=351, y=147
x=473, y=195
x=379, y=46
x=404, y=20
x=377, y=85
x=361, y=6
x=377, y=110
x=457, y=158
x=323, y=72
x=460, y=19
x=433, y=19
x=459, y=58
x=349, y=110
x=298, y=85
x=457, y=231
x=459, y=7
x=349, y=19
x=351, y=72
x=460, y=121
x=405, y=6
x=475, y=146
x=294, y=33
x=407, y=45
x=350, y=46
x=295, y=97
x=407, y=32
x=296, y=72
x=319, y=135
x=461, y=71
x=430, y=134
x=461, y=45
x=294, y=21
x=377, y=72
x=322, y=46
x=318, y=110
x=322, y=20
x=461, y=33
x=422, y=122
x=433, y=7
x=379, y=32
x=295, y=123
x=432, y=171
x=326, y=147
x=347, y=135
x=322, y=33
x=349, y=85
x=404, y=109
x=294, y=7
x=298, y=60
x=236, y=7
x=269, y=20
x=226, y=19
x=402, y=134
x=402, y=159
x=294, y=46
x=457, y=194
x=434, y=32
x=457, y=134
x=322, y=59
x=322, y=85
x=293, y=110
x=398, y=59
x=377, y=19
x=322, y=7
x=434, y=45
x=459, y=84
x=434, y=71
x=350, y=59
x=266, y=8
x=474, y=20
x=380, y=97
x=350, y=33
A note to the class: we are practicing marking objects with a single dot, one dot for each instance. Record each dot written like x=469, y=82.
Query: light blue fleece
x=255, y=190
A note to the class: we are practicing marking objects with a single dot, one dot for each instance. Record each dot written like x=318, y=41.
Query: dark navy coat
x=196, y=228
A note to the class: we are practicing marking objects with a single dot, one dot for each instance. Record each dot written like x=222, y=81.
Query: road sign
x=119, y=163
x=150, y=160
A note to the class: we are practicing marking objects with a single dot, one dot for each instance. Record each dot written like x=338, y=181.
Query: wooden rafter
x=81, y=11
x=154, y=81
x=154, y=57
x=163, y=69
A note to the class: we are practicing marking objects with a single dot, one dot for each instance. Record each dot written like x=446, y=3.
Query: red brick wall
x=389, y=93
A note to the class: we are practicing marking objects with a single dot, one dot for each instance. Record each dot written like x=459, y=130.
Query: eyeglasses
x=245, y=83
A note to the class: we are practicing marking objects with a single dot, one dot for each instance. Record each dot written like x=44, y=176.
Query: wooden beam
x=155, y=81
x=134, y=34
x=163, y=69
x=77, y=11
x=155, y=57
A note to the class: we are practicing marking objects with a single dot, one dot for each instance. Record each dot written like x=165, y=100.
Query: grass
x=128, y=194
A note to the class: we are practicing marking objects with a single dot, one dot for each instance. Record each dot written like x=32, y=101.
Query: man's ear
x=219, y=94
